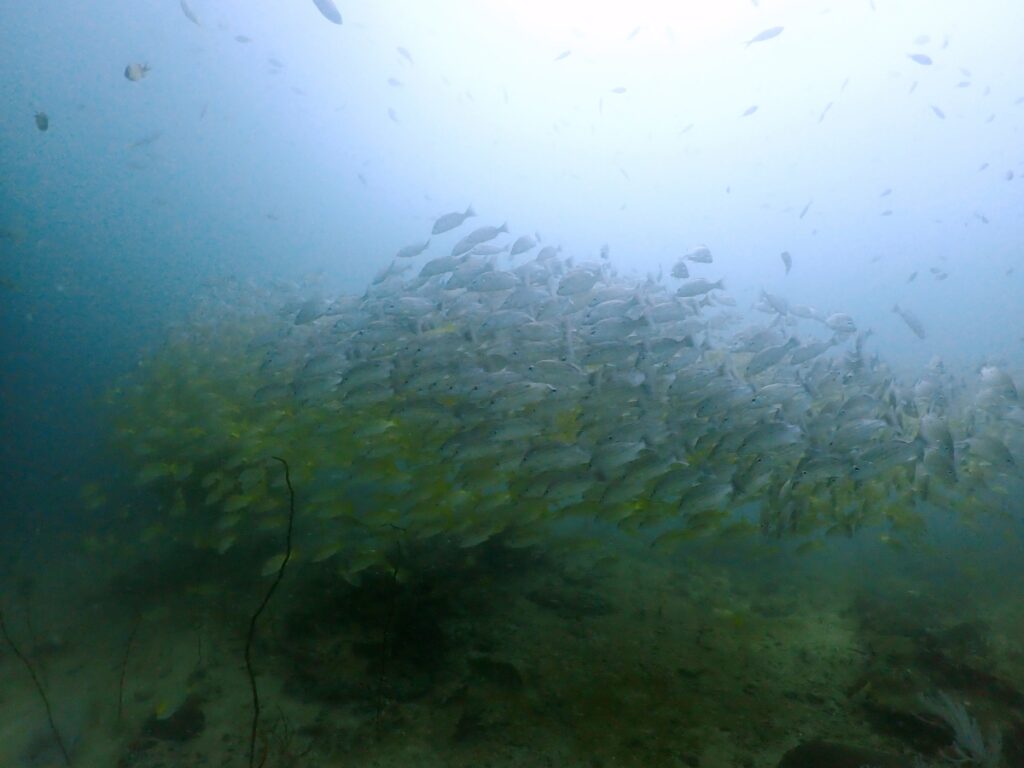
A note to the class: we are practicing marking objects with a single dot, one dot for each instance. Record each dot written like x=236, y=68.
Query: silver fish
x=767, y=34
x=329, y=10
x=477, y=236
x=910, y=319
x=522, y=245
x=698, y=287
x=189, y=13
x=415, y=249
x=700, y=254
x=450, y=221
x=680, y=270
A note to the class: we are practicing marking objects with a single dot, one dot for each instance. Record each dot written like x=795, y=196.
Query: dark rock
x=500, y=673
x=921, y=735
x=185, y=723
x=952, y=672
x=470, y=726
x=824, y=754
x=569, y=603
x=1013, y=744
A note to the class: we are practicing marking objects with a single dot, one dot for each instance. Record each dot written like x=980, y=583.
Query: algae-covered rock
x=825, y=754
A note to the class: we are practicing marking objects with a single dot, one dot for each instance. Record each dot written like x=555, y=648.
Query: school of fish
x=536, y=396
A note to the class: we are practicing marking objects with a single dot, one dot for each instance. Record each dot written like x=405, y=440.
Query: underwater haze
x=496, y=382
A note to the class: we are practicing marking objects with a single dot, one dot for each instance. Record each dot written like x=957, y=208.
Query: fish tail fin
x=470, y=212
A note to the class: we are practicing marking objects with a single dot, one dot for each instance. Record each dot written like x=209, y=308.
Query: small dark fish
x=842, y=88
x=275, y=63
x=394, y=82
x=750, y=111
x=990, y=118
x=136, y=72
x=189, y=14
x=981, y=217
x=767, y=34
x=329, y=10
x=938, y=112
x=1019, y=100
x=620, y=89
x=787, y=260
x=392, y=115
x=562, y=55
x=145, y=141
x=982, y=167
x=362, y=179
x=913, y=277
x=686, y=128
x=42, y=121
x=404, y=53
x=1009, y=175
x=886, y=212
x=243, y=39
x=634, y=33
x=806, y=209
x=824, y=112
x=964, y=84
x=886, y=192
x=913, y=87
x=920, y=58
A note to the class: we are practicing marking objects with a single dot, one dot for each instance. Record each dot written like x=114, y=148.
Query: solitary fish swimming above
x=767, y=34
x=136, y=72
x=329, y=10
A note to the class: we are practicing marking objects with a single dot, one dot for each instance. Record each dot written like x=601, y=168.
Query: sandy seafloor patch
x=689, y=660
